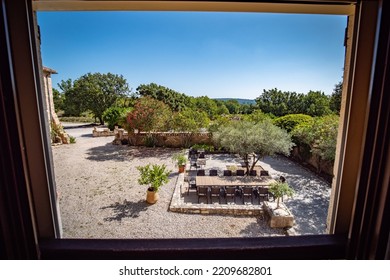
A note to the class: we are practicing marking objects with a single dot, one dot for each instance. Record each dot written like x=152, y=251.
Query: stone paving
x=309, y=204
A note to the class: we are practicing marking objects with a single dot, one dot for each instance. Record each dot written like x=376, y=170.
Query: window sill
x=295, y=247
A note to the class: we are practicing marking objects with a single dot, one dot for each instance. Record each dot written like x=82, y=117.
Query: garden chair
x=191, y=185
x=193, y=162
x=213, y=172
x=240, y=172
x=203, y=191
x=253, y=173
x=247, y=192
x=264, y=173
x=231, y=192
x=227, y=173
x=263, y=194
x=216, y=192
x=200, y=172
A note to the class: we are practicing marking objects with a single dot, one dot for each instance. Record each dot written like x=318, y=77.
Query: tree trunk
x=246, y=161
x=101, y=120
x=254, y=162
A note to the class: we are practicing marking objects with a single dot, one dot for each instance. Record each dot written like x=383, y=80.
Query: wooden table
x=233, y=181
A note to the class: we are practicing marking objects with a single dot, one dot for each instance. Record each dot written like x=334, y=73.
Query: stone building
x=57, y=132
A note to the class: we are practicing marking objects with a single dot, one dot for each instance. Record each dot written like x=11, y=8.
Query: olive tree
x=260, y=139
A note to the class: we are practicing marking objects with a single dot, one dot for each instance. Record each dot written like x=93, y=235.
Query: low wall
x=162, y=139
x=303, y=155
x=187, y=139
x=103, y=132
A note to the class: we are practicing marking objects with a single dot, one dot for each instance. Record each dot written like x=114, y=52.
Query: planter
x=151, y=197
x=278, y=217
x=182, y=168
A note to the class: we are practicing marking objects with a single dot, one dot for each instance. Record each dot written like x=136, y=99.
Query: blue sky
x=234, y=55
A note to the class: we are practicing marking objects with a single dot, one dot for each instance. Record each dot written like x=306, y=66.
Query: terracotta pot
x=151, y=197
x=182, y=168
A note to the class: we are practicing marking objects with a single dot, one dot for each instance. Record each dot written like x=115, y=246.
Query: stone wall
x=183, y=139
x=54, y=122
x=104, y=132
x=303, y=155
x=162, y=139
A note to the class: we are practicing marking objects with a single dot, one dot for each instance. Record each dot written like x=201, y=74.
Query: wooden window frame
x=360, y=216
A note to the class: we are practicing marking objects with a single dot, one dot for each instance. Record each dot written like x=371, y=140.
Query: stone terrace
x=309, y=204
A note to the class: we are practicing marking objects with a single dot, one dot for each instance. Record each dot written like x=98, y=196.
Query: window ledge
x=295, y=247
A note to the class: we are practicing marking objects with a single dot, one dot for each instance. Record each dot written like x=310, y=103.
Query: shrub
x=122, y=120
x=78, y=119
x=321, y=135
x=150, y=141
x=112, y=116
x=148, y=115
x=289, y=122
x=72, y=139
x=205, y=147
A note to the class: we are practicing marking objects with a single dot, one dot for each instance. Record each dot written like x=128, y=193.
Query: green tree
x=75, y=103
x=207, y=105
x=190, y=120
x=149, y=115
x=113, y=116
x=256, y=116
x=233, y=106
x=295, y=102
x=248, y=108
x=273, y=101
x=219, y=121
x=280, y=103
x=94, y=92
x=101, y=91
x=58, y=100
x=316, y=104
x=175, y=100
x=321, y=135
x=221, y=108
x=335, y=98
x=245, y=138
x=289, y=122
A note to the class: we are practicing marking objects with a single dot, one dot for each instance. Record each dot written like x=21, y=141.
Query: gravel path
x=100, y=197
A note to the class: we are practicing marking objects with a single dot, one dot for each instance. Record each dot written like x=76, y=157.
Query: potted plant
x=155, y=176
x=181, y=161
x=279, y=189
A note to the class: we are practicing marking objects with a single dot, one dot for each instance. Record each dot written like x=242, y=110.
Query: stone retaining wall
x=178, y=205
x=104, y=132
x=304, y=156
x=187, y=139
x=162, y=139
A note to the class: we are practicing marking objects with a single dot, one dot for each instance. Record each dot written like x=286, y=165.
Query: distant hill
x=240, y=100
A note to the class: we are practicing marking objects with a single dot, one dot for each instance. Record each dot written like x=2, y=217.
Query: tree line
x=310, y=120
x=96, y=92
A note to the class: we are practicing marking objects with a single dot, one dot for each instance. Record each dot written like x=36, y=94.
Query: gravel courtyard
x=100, y=197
